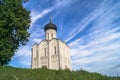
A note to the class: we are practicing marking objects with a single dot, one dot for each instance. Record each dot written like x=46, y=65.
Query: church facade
x=51, y=53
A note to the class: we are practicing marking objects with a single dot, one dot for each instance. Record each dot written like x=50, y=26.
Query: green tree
x=14, y=23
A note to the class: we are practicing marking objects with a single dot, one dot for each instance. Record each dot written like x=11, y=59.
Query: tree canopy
x=14, y=23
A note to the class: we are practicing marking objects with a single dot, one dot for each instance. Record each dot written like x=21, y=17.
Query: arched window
x=36, y=54
x=51, y=35
x=36, y=51
x=48, y=35
x=45, y=52
x=55, y=49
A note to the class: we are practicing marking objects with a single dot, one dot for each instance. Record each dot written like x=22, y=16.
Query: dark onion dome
x=50, y=26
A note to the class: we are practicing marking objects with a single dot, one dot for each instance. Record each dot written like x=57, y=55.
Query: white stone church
x=51, y=53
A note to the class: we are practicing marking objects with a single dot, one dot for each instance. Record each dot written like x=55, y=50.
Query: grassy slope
x=10, y=73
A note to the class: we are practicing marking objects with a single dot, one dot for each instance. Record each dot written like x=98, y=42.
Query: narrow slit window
x=36, y=53
x=48, y=36
x=54, y=49
x=52, y=35
x=45, y=52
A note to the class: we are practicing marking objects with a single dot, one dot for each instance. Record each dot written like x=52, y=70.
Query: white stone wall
x=43, y=54
x=53, y=51
x=64, y=56
x=57, y=55
x=34, y=56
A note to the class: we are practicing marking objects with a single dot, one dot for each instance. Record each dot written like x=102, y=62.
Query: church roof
x=50, y=25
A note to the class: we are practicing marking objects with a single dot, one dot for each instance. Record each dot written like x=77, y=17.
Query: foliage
x=10, y=73
x=14, y=23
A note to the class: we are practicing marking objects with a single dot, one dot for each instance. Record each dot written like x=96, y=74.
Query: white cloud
x=38, y=32
x=37, y=40
x=24, y=51
x=59, y=3
x=100, y=14
x=22, y=57
x=35, y=17
x=25, y=62
x=97, y=54
x=99, y=49
x=101, y=42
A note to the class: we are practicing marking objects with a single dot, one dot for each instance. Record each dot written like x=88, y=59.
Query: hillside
x=11, y=73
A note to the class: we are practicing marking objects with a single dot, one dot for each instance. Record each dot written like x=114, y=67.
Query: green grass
x=11, y=73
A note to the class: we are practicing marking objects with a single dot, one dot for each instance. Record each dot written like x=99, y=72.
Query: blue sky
x=90, y=27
